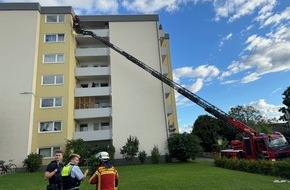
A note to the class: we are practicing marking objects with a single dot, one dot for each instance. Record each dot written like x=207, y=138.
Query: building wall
x=65, y=90
x=19, y=50
x=137, y=97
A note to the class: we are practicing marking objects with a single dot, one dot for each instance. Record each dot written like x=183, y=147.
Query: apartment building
x=57, y=85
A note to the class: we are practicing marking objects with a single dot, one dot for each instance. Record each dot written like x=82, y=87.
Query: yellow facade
x=65, y=90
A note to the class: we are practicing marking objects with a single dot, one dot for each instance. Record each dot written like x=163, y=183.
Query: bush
x=33, y=162
x=130, y=149
x=142, y=156
x=77, y=146
x=155, y=155
x=183, y=146
x=264, y=167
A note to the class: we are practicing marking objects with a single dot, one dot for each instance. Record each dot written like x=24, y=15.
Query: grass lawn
x=197, y=175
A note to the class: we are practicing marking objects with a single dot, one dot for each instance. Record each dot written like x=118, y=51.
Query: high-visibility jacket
x=68, y=182
x=105, y=178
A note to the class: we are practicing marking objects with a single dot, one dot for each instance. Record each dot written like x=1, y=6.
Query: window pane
x=55, y=149
x=49, y=58
x=96, y=126
x=48, y=79
x=58, y=101
x=59, y=79
x=51, y=18
x=57, y=126
x=50, y=38
x=45, y=152
x=61, y=18
x=60, y=58
x=47, y=103
x=83, y=127
x=45, y=126
x=60, y=37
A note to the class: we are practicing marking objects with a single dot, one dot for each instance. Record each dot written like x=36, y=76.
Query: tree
x=155, y=155
x=183, y=146
x=286, y=109
x=210, y=129
x=131, y=148
x=77, y=146
x=251, y=117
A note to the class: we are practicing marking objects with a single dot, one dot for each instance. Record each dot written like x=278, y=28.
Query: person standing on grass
x=106, y=176
x=71, y=174
x=53, y=172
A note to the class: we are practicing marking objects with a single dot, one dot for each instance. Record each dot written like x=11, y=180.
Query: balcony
x=93, y=135
x=92, y=71
x=169, y=109
x=163, y=53
x=165, y=69
x=166, y=90
x=88, y=40
x=92, y=113
x=87, y=54
x=94, y=91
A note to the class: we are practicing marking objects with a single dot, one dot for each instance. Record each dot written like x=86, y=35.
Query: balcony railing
x=93, y=135
x=92, y=91
x=92, y=113
x=92, y=71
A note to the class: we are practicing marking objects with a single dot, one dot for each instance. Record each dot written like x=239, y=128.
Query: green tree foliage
x=251, y=117
x=77, y=146
x=142, y=156
x=155, y=155
x=286, y=101
x=33, y=162
x=210, y=129
x=130, y=149
x=183, y=146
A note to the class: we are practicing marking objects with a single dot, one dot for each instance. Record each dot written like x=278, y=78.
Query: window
x=53, y=58
x=84, y=127
x=54, y=37
x=105, y=126
x=50, y=126
x=51, y=102
x=52, y=79
x=55, y=18
x=48, y=152
x=101, y=126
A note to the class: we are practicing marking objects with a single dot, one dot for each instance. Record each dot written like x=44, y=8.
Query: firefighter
x=106, y=176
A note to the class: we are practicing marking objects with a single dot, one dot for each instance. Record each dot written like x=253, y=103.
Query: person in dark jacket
x=53, y=172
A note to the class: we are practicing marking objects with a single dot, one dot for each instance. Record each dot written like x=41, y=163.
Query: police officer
x=53, y=172
x=71, y=174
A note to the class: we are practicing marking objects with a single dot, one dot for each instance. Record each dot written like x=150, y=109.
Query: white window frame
x=57, y=36
x=57, y=18
x=52, y=150
x=53, y=127
x=55, y=81
x=56, y=58
x=53, y=102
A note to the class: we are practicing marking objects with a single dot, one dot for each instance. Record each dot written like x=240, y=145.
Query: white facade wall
x=18, y=50
x=137, y=97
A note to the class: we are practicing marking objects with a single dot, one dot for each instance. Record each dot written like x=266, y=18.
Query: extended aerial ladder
x=218, y=113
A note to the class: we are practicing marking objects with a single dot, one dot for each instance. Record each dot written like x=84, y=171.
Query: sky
x=228, y=52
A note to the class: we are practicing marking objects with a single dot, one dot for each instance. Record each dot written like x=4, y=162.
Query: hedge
x=264, y=167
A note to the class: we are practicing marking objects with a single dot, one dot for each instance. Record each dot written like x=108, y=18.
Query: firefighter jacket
x=106, y=177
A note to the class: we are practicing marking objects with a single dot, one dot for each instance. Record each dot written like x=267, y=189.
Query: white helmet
x=103, y=156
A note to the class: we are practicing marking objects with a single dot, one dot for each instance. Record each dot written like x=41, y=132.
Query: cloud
x=267, y=110
x=225, y=38
x=235, y=9
x=195, y=79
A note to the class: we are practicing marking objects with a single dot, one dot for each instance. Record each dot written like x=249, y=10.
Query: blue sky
x=229, y=52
